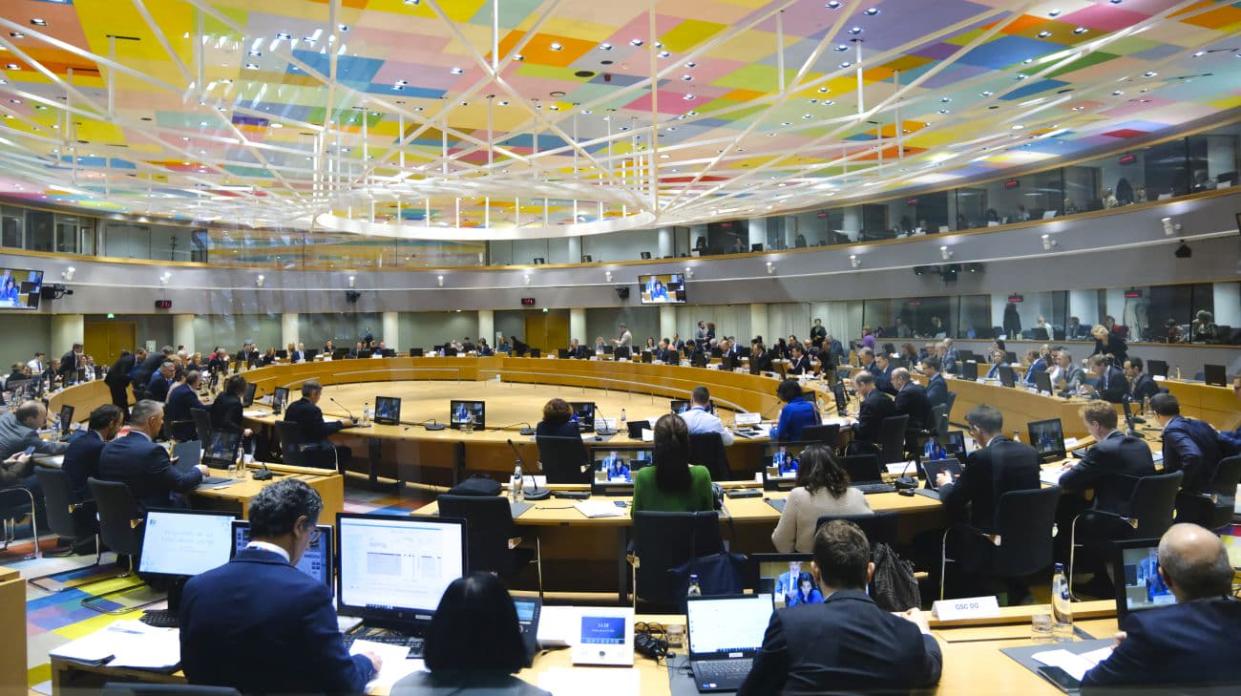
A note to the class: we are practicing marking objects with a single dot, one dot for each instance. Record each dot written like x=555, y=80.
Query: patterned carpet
x=55, y=618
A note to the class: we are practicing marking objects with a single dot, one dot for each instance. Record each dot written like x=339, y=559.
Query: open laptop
x=1139, y=586
x=221, y=450
x=841, y=398
x=1047, y=436
x=969, y=370
x=189, y=454
x=779, y=465
x=1157, y=368
x=725, y=633
x=279, y=399
x=66, y=421
x=780, y=575
x=613, y=468
x=931, y=468
x=248, y=400
x=865, y=473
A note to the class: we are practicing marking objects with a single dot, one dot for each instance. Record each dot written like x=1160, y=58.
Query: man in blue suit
x=138, y=462
x=883, y=373
x=936, y=386
x=181, y=401
x=82, y=457
x=1184, y=644
x=160, y=382
x=260, y=625
x=1189, y=445
x=1040, y=361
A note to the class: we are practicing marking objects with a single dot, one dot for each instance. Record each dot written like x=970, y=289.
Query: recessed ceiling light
x=945, y=100
x=987, y=93
x=252, y=66
x=1079, y=108
x=343, y=27
x=503, y=102
x=664, y=54
x=855, y=30
x=636, y=42
x=456, y=71
x=1044, y=34
x=872, y=11
x=691, y=65
x=17, y=35
x=1027, y=61
x=39, y=22
x=943, y=111
x=1080, y=30
x=412, y=2
x=15, y=100
x=1115, y=2
x=557, y=46
x=274, y=124
x=845, y=64
x=605, y=46
x=1017, y=126
x=807, y=116
x=823, y=90
x=842, y=47
x=1054, y=13
x=1150, y=73
x=687, y=78
x=12, y=66
x=1199, y=54
x=1022, y=76
x=689, y=97
x=832, y=4
x=518, y=57
x=786, y=123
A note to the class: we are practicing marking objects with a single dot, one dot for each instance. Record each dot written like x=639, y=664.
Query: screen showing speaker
x=666, y=288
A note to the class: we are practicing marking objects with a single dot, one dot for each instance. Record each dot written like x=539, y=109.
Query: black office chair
x=952, y=400
x=120, y=529
x=67, y=519
x=289, y=435
x=1214, y=508
x=662, y=541
x=1025, y=521
x=202, y=423
x=15, y=504
x=862, y=467
x=1150, y=512
x=139, y=689
x=892, y=439
x=491, y=535
x=827, y=434
x=564, y=459
x=707, y=449
x=879, y=528
x=939, y=416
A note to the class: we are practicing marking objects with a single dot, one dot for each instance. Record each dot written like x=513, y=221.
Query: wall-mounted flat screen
x=21, y=288
x=666, y=288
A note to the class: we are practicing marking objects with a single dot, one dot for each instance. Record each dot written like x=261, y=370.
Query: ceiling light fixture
x=1044, y=34
x=872, y=11
x=1080, y=30
x=832, y=4
x=605, y=46
x=636, y=42
x=1054, y=13
x=456, y=70
x=39, y=22
x=557, y=46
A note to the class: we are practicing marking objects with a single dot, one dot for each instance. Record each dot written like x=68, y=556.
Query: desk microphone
x=433, y=425
x=263, y=474
x=599, y=417
x=351, y=418
x=902, y=482
x=535, y=493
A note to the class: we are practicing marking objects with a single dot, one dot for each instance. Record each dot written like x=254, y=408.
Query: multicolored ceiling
x=536, y=118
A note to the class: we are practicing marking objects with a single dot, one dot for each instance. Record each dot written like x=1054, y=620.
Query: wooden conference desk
x=973, y=663
x=237, y=496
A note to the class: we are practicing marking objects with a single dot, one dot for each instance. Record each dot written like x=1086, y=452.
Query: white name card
x=1158, y=378
x=966, y=608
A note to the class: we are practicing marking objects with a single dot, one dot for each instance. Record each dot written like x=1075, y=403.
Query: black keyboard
x=869, y=488
x=160, y=618
x=414, y=643
x=721, y=675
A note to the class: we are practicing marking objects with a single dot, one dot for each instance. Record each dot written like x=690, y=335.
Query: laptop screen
x=933, y=467
x=727, y=626
x=780, y=575
x=1138, y=583
x=617, y=465
x=1047, y=436
x=955, y=445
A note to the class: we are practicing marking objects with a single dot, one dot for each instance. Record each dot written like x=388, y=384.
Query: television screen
x=20, y=288
x=666, y=288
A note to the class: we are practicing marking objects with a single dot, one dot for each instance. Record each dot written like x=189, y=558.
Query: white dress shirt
x=699, y=421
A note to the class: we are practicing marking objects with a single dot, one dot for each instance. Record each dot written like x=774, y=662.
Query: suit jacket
x=157, y=388
x=801, y=367
x=1115, y=347
x=144, y=466
x=1144, y=387
x=310, y=417
x=761, y=363
x=1000, y=467
x=951, y=360
x=82, y=462
x=1191, y=446
x=875, y=407
x=68, y=364
x=913, y=401
x=1112, y=386
x=937, y=390
x=1112, y=468
x=296, y=356
x=142, y=372
x=795, y=417
x=667, y=357
x=180, y=421
x=1036, y=367
x=845, y=643
x=259, y=624
x=883, y=379
x=226, y=413
x=1180, y=645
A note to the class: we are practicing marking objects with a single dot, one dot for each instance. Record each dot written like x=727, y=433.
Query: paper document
x=599, y=508
x=129, y=644
x=608, y=681
x=899, y=468
x=1050, y=477
x=559, y=626
x=394, y=668
x=1076, y=665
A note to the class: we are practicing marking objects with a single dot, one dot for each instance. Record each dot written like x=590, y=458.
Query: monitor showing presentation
x=619, y=465
x=396, y=568
x=783, y=576
x=460, y=412
x=666, y=288
x=1143, y=587
x=184, y=543
x=20, y=288
x=316, y=561
x=387, y=410
x=728, y=625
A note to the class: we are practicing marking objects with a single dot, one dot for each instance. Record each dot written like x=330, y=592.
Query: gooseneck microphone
x=355, y=420
x=535, y=493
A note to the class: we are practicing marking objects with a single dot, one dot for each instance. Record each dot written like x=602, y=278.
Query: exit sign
x=527, y=302
x=163, y=304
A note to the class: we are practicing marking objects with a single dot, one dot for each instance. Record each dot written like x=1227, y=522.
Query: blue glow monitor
x=780, y=463
x=583, y=415
x=666, y=288
x=20, y=288
x=615, y=467
x=317, y=562
x=781, y=575
x=1139, y=586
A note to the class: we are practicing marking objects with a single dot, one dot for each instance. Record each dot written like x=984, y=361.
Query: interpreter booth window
x=974, y=317
x=40, y=230
x=925, y=213
x=1176, y=313
x=914, y=318
x=728, y=237
x=11, y=226
x=1213, y=158
x=1032, y=316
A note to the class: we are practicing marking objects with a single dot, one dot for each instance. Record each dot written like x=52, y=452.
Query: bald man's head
x=1194, y=562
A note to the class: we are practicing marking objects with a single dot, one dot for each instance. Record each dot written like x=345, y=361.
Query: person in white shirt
x=37, y=364
x=699, y=420
x=626, y=338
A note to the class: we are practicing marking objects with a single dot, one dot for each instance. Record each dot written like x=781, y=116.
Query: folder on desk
x=1086, y=653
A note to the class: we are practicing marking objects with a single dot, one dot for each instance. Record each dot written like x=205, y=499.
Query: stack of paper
x=130, y=644
x=599, y=508
x=1075, y=665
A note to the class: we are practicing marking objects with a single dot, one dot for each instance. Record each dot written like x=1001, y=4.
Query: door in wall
x=547, y=331
x=104, y=340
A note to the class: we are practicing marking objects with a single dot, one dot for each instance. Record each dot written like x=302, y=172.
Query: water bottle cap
x=1059, y=567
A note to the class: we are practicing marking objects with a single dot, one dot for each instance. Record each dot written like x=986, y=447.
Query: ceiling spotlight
x=1080, y=30
x=17, y=35
x=687, y=78
x=1049, y=243
x=1017, y=126
x=987, y=93
x=855, y=260
x=823, y=90
x=412, y=2
x=1115, y=2
x=518, y=57
x=457, y=71
x=845, y=64
x=439, y=280
x=605, y=46
x=1150, y=73
x=252, y=66
x=841, y=48
x=259, y=280
x=1054, y=13
x=855, y=30
x=636, y=42
x=945, y=252
x=1199, y=54
x=1044, y=34
x=557, y=46
x=39, y=22
x=1170, y=227
x=689, y=97
x=771, y=268
x=872, y=11
x=832, y=4
x=353, y=280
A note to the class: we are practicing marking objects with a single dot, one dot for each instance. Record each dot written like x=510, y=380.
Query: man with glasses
x=257, y=623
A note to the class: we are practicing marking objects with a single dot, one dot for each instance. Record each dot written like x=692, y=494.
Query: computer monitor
x=221, y=451
x=1138, y=584
x=279, y=399
x=1215, y=375
x=622, y=353
x=780, y=574
x=683, y=405
x=66, y=419
x=563, y=353
x=954, y=443
x=1010, y=357
x=459, y=413
x=969, y=371
x=394, y=569
x=283, y=354
x=583, y=413
x=1007, y=376
x=387, y=410
x=647, y=357
x=317, y=562
x=310, y=354
x=964, y=354
x=615, y=467
x=729, y=626
x=179, y=544
x=415, y=352
x=248, y=401
x=780, y=463
x=841, y=398
x=365, y=354
x=1157, y=368
x=1042, y=382
x=1047, y=436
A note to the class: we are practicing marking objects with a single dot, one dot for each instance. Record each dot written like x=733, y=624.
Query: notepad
x=1075, y=665
x=131, y=644
x=599, y=508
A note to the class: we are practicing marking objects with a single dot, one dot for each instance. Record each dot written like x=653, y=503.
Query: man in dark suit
x=936, y=385
x=138, y=462
x=846, y=643
x=82, y=457
x=1040, y=361
x=227, y=410
x=1141, y=385
x=883, y=373
x=1110, y=383
x=951, y=359
x=576, y=350
x=142, y=372
x=118, y=379
x=260, y=625
x=875, y=406
x=666, y=354
x=1182, y=645
x=799, y=364
x=181, y=401
x=911, y=400
x=161, y=382
x=1113, y=465
x=69, y=364
x=999, y=465
x=317, y=448
x=1189, y=445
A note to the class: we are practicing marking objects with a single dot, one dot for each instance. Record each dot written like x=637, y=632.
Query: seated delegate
x=798, y=412
x=557, y=421
x=260, y=625
x=143, y=465
x=474, y=644
x=700, y=420
x=823, y=490
x=672, y=484
x=317, y=448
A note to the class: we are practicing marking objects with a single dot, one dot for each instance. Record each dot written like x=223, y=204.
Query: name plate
x=966, y=608
x=1158, y=378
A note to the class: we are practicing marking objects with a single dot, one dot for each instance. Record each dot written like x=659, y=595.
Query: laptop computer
x=1139, y=586
x=931, y=468
x=583, y=415
x=66, y=421
x=779, y=465
x=780, y=574
x=636, y=427
x=189, y=454
x=248, y=400
x=1047, y=436
x=841, y=398
x=725, y=633
x=1007, y=377
x=1215, y=375
x=969, y=371
x=956, y=445
x=865, y=473
x=279, y=399
x=221, y=450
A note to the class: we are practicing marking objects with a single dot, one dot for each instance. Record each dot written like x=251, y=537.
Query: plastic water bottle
x=694, y=589
x=515, y=485
x=1061, y=605
x=367, y=413
x=1016, y=436
x=623, y=418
